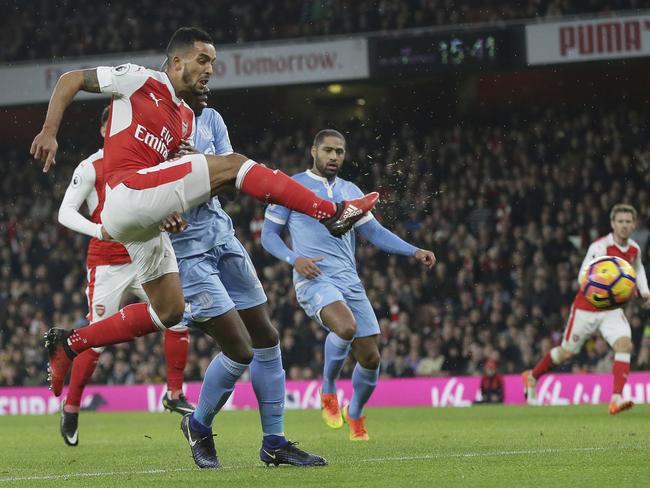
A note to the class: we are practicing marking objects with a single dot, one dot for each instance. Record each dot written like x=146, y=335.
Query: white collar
x=621, y=247
x=316, y=177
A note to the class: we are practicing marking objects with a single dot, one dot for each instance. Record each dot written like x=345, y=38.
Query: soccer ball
x=608, y=282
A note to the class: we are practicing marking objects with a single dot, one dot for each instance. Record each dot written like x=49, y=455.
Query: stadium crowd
x=509, y=209
x=42, y=29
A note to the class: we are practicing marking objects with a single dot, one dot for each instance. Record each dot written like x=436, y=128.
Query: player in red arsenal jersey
x=147, y=123
x=585, y=319
x=110, y=274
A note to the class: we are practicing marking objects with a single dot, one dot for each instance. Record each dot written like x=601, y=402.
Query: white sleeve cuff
x=365, y=219
x=105, y=78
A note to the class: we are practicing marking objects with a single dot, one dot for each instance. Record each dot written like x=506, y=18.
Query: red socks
x=273, y=186
x=124, y=326
x=544, y=365
x=177, y=344
x=620, y=369
x=83, y=368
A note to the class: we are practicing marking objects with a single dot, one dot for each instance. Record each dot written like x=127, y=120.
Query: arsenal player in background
x=585, y=319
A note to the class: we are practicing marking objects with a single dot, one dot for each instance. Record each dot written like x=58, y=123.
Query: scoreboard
x=438, y=52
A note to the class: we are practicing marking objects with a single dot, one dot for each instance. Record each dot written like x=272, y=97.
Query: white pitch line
x=495, y=453
x=357, y=461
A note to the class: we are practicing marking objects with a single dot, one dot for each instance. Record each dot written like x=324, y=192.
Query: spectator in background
x=484, y=286
x=491, y=383
x=237, y=21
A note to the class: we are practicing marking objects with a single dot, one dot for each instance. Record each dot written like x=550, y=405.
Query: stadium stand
x=508, y=205
x=31, y=29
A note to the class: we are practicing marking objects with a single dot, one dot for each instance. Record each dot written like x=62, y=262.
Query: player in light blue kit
x=226, y=300
x=331, y=292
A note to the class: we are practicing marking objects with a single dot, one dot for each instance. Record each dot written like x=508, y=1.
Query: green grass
x=480, y=446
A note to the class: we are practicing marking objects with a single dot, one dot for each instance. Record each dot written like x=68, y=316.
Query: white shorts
x=612, y=324
x=135, y=208
x=106, y=286
x=153, y=258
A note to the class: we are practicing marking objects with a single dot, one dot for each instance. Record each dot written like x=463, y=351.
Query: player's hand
x=646, y=302
x=44, y=148
x=426, y=257
x=173, y=223
x=106, y=236
x=184, y=148
x=307, y=267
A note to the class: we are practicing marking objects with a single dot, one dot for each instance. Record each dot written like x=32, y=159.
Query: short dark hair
x=322, y=134
x=104, y=117
x=185, y=37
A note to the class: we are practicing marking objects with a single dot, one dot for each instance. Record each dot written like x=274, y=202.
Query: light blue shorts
x=316, y=294
x=219, y=280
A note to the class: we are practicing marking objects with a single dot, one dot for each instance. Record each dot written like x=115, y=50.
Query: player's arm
x=275, y=221
x=641, y=280
x=272, y=229
x=383, y=239
x=45, y=146
x=82, y=183
x=595, y=250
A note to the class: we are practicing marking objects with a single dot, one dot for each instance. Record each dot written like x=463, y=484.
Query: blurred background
x=499, y=134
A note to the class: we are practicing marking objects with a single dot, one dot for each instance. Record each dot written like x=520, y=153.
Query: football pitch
x=482, y=446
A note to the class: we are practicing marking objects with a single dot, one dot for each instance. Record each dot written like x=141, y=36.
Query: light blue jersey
x=215, y=270
x=339, y=280
x=208, y=224
x=311, y=239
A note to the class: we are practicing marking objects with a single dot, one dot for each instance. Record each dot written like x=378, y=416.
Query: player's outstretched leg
x=83, y=368
x=64, y=345
x=176, y=343
x=273, y=186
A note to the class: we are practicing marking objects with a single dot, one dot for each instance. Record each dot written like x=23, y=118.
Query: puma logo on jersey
x=153, y=97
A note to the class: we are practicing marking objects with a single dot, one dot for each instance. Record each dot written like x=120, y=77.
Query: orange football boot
x=358, y=430
x=329, y=405
x=616, y=407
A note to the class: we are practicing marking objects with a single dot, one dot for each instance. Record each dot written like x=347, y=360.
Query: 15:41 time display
x=443, y=51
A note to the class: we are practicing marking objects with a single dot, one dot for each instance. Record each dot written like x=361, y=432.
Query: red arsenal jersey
x=147, y=121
